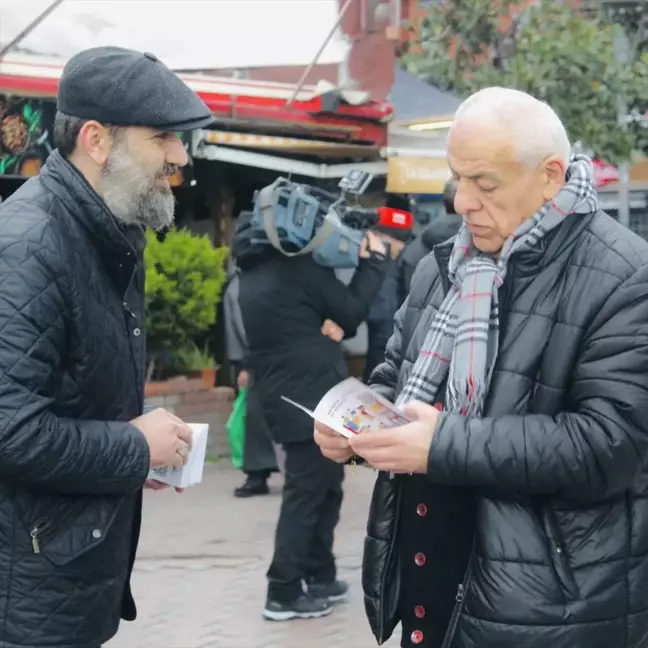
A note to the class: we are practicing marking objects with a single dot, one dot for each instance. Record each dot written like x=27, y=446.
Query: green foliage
x=190, y=358
x=184, y=279
x=631, y=16
x=548, y=50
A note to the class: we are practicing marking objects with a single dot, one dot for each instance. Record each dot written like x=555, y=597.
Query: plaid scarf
x=462, y=342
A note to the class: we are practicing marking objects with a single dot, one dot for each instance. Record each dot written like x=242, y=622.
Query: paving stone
x=199, y=580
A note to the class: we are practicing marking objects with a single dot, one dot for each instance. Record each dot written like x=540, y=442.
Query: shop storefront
x=416, y=150
x=312, y=131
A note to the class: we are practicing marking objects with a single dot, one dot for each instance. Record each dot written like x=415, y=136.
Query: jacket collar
x=529, y=262
x=442, y=254
x=111, y=238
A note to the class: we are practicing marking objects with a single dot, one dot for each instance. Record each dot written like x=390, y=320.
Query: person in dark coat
x=396, y=227
x=286, y=302
x=75, y=448
x=442, y=228
x=259, y=457
x=513, y=511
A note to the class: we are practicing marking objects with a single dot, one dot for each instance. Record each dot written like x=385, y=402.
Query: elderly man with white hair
x=512, y=512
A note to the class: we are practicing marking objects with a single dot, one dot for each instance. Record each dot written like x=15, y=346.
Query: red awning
x=323, y=110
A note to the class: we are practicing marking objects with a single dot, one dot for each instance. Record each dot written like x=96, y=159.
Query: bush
x=191, y=358
x=184, y=279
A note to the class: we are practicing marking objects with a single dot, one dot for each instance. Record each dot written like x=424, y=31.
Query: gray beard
x=131, y=194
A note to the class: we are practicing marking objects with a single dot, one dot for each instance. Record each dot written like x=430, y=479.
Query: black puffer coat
x=71, y=376
x=558, y=464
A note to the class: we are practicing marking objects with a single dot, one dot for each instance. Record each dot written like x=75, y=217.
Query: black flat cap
x=122, y=87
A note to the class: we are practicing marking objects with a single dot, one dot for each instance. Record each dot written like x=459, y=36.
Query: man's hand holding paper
x=168, y=437
x=190, y=471
x=401, y=449
x=332, y=444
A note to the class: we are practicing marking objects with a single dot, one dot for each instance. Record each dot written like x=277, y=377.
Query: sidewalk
x=200, y=576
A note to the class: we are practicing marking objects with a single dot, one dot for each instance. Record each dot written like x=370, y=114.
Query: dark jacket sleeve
x=347, y=306
x=37, y=447
x=235, y=336
x=440, y=230
x=384, y=378
x=588, y=453
x=412, y=255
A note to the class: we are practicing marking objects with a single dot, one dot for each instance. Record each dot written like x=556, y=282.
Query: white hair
x=535, y=129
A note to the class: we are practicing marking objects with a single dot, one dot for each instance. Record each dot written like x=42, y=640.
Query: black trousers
x=259, y=458
x=310, y=511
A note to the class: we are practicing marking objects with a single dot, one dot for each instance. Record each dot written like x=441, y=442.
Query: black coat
x=558, y=463
x=284, y=302
x=72, y=363
x=442, y=228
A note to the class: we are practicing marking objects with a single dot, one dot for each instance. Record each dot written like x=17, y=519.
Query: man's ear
x=95, y=141
x=554, y=176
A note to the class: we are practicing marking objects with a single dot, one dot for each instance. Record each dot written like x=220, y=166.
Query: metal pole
x=624, y=194
x=30, y=28
x=621, y=54
x=313, y=63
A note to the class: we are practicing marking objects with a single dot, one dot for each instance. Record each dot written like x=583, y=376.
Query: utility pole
x=622, y=56
x=313, y=63
x=625, y=50
x=29, y=29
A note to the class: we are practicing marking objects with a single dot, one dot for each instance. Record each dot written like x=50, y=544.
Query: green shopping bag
x=236, y=428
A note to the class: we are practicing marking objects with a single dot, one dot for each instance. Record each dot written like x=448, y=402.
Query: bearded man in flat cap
x=75, y=445
x=512, y=512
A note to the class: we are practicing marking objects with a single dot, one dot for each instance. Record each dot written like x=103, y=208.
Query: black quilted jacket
x=71, y=376
x=558, y=464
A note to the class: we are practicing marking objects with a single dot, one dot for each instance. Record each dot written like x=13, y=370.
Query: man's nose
x=465, y=202
x=175, y=153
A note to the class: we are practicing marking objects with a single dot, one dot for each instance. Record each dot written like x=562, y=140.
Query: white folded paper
x=191, y=473
x=351, y=406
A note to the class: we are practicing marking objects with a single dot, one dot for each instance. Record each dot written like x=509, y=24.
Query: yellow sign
x=288, y=144
x=417, y=175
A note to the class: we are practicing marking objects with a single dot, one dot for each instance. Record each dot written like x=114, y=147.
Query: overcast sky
x=184, y=33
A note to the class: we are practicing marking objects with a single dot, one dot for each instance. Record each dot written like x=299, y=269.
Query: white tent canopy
x=185, y=34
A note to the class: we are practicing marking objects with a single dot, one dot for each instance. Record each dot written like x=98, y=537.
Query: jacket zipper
x=35, y=533
x=131, y=314
x=459, y=603
x=454, y=619
x=129, y=311
x=507, y=293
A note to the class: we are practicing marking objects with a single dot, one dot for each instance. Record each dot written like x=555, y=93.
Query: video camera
x=303, y=219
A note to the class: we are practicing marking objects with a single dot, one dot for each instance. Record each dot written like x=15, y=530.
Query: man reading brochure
x=513, y=512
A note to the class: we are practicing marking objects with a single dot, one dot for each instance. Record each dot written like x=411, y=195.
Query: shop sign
x=417, y=175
